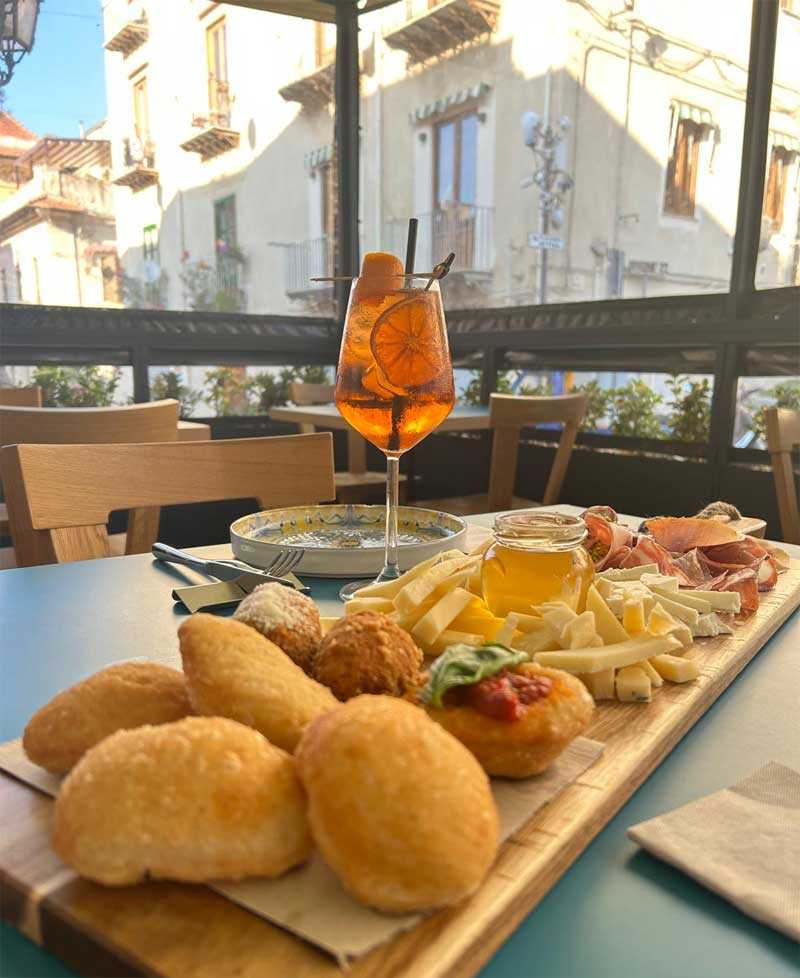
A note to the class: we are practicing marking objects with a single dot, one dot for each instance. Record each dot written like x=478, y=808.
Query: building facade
x=224, y=169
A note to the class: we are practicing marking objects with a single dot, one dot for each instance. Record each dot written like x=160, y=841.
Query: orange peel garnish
x=407, y=344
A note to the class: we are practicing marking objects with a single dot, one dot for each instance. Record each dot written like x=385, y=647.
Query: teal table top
x=617, y=912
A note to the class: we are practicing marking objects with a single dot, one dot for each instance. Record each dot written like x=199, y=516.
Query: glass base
x=349, y=590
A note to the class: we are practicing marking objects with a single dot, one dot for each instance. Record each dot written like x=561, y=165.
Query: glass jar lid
x=532, y=530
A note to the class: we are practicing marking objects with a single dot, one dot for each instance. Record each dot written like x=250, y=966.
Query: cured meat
x=692, y=566
x=647, y=551
x=781, y=558
x=605, y=540
x=767, y=574
x=745, y=582
x=605, y=512
x=746, y=552
x=679, y=534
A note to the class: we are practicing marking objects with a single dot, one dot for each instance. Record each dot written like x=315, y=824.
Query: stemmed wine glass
x=394, y=382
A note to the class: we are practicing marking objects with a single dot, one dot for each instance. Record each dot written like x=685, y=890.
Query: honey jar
x=536, y=557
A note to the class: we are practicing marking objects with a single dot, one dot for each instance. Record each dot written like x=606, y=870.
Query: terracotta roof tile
x=15, y=139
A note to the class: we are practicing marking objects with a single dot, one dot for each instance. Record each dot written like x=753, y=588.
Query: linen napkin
x=742, y=842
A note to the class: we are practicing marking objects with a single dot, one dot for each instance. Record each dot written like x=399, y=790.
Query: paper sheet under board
x=310, y=901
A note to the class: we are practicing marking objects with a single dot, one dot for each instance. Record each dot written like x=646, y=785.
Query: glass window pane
x=779, y=253
x=469, y=159
x=446, y=172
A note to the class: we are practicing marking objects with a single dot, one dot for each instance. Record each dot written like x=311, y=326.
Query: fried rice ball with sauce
x=204, y=798
x=367, y=653
x=286, y=617
x=400, y=810
x=527, y=746
x=233, y=671
x=129, y=694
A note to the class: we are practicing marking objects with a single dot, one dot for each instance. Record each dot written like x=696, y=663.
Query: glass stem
x=391, y=568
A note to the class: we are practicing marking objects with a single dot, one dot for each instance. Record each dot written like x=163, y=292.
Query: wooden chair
x=155, y=421
x=783, y=434
x=357, y=484
x=508, y=414
x=61, y=495
x=21, y=397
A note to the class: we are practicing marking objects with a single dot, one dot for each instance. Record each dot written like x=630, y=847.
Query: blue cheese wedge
x=633, y=685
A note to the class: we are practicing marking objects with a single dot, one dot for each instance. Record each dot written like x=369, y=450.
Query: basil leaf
x=465, y=665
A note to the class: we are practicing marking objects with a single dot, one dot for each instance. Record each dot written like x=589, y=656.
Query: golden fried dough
x=529, y=745
x=200, y=799
x=367, y=653
x=401, y=812
x=232, y=671
x=286, y=617
x=127, y=695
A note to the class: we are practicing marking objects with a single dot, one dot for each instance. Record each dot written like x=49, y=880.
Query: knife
x=236, y=579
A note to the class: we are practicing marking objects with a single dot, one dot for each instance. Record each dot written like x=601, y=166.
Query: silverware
x=236, y=572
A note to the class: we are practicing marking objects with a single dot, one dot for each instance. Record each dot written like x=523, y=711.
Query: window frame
x=140, y=97
x=680, y=195
x=217, y=56
x=457, y=119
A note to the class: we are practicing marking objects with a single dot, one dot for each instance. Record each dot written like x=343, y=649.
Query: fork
x=226, y=570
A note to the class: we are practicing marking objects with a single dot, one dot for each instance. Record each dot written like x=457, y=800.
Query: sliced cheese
x=627, y=573
x=600, y=684
x=434, y=622
x=407, y=621
x=481, y=548
x=580, y=633
x=633, y=618
x=557, y=614
x=388, y=589
x=652, y=675
x=681, y=611
x=633, y=685
x=417, y=590
x=542, y=639
x=609, y=656
x=528, y=623
x=354, y=605
x=730, y=601
x=608, y=628
x=450, y=637
x=661, y=622
x=674, y=668
x=474, y=582
x=711, y=625
x=685, y=598
x=664, y=581
x=507, y=629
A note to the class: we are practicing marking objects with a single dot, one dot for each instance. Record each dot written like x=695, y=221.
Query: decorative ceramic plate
x=343, y=540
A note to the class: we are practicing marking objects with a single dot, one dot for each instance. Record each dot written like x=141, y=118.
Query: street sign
x=550, y=242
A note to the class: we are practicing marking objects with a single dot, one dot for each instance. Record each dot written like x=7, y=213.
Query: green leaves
x=465, y=665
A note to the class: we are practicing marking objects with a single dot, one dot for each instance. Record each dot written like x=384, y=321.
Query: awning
x=441, y=105
x=319, y=156
x=309, y=9
x=782, y=140
x=701, y=117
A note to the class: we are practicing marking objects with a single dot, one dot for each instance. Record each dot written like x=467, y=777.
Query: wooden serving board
x=181, y=931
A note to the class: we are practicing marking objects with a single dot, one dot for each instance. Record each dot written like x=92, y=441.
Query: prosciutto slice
x=693, y=567
x=606, y=542
x=647, y=551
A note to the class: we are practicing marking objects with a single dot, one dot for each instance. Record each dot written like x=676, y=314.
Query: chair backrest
x=60, y=496
x=155, y=421
x=783, y=433
x=304, y=394
x=508, y=414
x=21, y=397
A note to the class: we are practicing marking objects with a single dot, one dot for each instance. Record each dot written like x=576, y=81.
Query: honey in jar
x=536, y=557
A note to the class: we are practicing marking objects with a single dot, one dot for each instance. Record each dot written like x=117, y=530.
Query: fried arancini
x=204, y=798
x=232, y=671
x=529, y=745
x=367, y=653
x=400, y=811
x=126, y=695
x=286, y=617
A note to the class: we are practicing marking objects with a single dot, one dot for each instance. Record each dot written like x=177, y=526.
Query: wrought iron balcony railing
x=466, y=229
x=138, y=164
x=216, y=134
x=304, y=260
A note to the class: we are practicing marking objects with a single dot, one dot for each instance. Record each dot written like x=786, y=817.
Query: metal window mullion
x=347, y=146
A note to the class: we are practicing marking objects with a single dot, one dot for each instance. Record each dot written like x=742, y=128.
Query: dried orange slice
x=406, y=342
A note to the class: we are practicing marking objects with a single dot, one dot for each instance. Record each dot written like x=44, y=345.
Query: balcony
x=445, y=27
x=50, y=192
x=313, y=91
x=139, y=165
x=129, y=36
x=304, y=260
x=215, y=134
x=465, y=229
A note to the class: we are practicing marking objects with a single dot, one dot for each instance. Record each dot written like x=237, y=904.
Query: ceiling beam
x=322, y=10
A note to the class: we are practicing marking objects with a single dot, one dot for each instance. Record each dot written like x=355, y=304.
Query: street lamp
x=552, y=180
x=17, y=30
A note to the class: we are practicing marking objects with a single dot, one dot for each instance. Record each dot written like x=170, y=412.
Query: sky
x=60, y=83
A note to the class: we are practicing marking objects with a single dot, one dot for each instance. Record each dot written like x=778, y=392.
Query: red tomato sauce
x=506, y=695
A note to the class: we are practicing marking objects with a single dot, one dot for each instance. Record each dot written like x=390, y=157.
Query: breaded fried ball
x=367, y=653
x=286, y=617
x=399, y=809
x=529, y=745
x=204, y=798
x=130, y=694
x=232, y=671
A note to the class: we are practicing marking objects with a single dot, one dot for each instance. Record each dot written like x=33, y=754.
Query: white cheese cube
x=633, y=685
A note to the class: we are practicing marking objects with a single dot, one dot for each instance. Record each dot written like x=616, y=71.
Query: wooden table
x=617, y=912
x=327, y=416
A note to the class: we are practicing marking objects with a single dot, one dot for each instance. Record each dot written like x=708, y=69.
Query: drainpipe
x=623, y=142
x=77, y=260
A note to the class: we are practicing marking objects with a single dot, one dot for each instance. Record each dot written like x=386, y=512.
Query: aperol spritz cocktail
x=394, y=383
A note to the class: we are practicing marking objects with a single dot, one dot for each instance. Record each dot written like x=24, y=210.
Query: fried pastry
x=233, y=671
x=127, y=695
x=367, y=653
x=204, y=798
x=399, y=809
x=286, y=617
